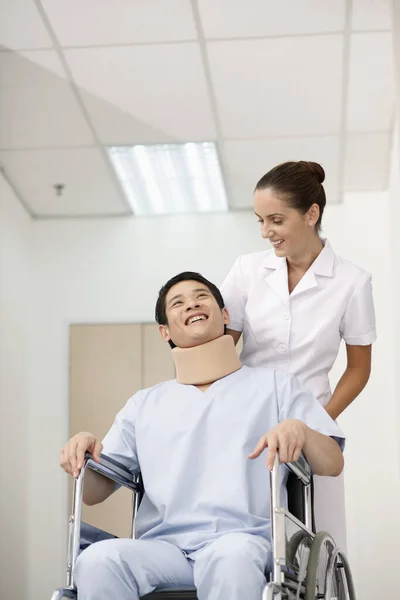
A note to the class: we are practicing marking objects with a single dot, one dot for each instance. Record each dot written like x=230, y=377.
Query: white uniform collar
x=278, y=280
x=322, y=265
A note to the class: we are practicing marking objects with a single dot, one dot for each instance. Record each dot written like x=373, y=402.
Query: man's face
x=193, y=315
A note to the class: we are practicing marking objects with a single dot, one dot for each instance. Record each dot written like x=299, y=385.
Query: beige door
x=108, y=364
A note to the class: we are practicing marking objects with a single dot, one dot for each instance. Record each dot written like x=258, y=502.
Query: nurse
x=294, y=304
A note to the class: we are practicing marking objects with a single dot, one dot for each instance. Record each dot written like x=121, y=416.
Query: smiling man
x=204, y=521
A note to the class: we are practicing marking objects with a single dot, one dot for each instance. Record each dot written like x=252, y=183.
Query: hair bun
x=316, y=170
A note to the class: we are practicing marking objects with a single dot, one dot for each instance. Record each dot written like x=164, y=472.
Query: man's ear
x=163, y=329
x=226, y=316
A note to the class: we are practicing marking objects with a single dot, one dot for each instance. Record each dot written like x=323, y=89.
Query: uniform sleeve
x=235, y=296
x=358, y=324
x=295, y=402
x=120, y=441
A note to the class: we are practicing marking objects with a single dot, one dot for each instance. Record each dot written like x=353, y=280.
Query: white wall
x=110, y=271
x=360, y=231
x=394, y=212
x=16, y=308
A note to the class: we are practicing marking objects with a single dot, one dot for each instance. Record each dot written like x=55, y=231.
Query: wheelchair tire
x=293, y=545
x=325, y=557
x=341, y=569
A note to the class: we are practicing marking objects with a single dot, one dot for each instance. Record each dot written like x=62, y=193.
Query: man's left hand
x=287, y=439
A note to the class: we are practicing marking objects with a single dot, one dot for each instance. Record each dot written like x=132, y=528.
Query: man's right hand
x=73, y=453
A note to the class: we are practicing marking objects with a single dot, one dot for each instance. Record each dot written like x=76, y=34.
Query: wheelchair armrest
x=114, y=470
x=301, y=469
x=110, y=468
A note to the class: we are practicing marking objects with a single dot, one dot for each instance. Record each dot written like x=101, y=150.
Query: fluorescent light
x=170, y=178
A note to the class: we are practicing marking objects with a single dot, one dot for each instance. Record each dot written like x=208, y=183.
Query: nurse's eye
x=277, y=222
x=260, y=220
x=176, y=303
x=203, y=295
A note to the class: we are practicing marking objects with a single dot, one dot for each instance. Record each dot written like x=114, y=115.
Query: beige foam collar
x=206, y=363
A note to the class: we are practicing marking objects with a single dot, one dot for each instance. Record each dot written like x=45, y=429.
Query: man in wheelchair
x=204, y=520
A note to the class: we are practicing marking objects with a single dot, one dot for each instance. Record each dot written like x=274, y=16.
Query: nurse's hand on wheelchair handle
x=287, y=438
x=72, y=454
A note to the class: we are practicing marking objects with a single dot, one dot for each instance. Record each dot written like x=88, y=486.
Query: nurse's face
x=288, y=230
x=193, y=315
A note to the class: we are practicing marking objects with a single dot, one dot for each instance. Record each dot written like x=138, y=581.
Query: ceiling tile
x=370, y=15
x=101, y=22
x=371, y=94
x=144, y=94
x=21, y=26
x=245, y=162
x=292, y=88
x=37, y=106
x=263, y=18
x=89, y=187
x=367, y=161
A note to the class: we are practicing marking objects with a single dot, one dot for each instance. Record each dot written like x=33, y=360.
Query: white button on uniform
x=286, y=316
x=282, y=348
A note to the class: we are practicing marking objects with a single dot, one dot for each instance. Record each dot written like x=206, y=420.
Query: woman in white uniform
x=296, y=302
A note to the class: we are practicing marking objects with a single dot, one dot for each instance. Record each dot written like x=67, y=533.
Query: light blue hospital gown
x=204, y=519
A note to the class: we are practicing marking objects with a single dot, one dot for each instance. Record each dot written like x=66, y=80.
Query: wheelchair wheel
x=339, y=581
x=297, y=549
x=328, y=572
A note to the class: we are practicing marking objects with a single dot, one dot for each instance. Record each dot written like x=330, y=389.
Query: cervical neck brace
x=206, y=363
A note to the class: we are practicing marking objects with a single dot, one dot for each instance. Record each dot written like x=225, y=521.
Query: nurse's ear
x=313, y=215
x=163, y=329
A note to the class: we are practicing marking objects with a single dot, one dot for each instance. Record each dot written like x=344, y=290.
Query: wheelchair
x=306, y=565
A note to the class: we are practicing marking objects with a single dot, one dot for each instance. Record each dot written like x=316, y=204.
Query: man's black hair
x=160, y=310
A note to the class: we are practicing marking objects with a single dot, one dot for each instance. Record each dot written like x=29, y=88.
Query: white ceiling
x=269, y=81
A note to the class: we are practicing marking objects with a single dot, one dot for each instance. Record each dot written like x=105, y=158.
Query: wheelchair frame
x=281, y=585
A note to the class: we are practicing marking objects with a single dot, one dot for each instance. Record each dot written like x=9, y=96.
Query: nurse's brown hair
x=300, y=183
